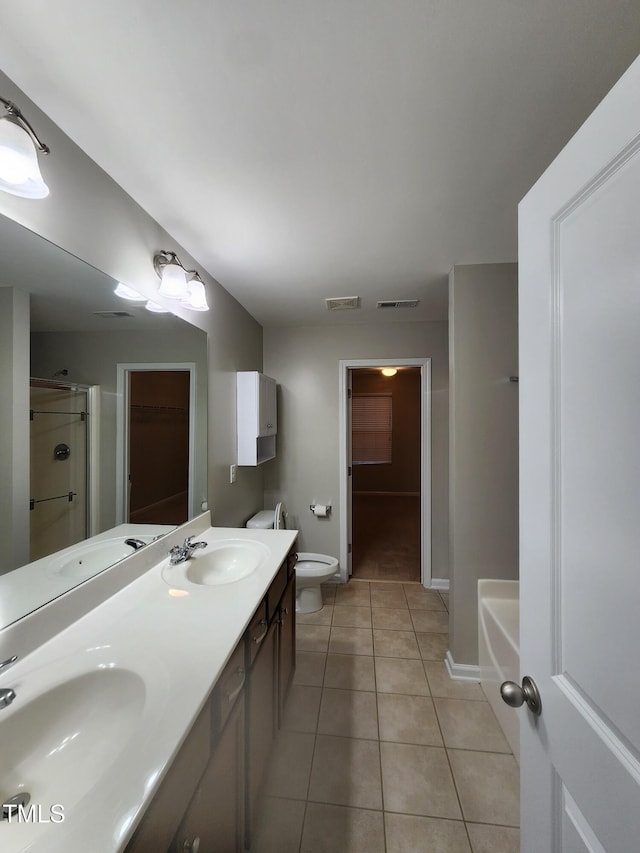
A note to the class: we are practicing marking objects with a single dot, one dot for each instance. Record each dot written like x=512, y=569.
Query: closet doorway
x=385, y=512
x=155, y=443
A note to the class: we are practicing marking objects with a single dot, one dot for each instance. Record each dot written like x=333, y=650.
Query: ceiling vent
x=342, y=303
x=398, y=303
x=113, y=315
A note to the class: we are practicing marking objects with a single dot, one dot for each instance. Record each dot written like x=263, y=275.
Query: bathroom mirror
x=84, y=337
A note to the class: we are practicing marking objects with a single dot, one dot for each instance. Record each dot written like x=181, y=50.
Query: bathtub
x=499, y=649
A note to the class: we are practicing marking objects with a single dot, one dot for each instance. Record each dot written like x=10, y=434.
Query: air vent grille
x=398, y=303
x=342, y=303
x=112, y=315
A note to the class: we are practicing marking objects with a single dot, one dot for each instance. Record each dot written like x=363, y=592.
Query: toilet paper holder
x=312, y=507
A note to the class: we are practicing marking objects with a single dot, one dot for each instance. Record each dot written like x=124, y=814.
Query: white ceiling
x=304, y=149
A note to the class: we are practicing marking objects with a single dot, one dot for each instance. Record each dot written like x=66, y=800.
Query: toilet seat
x=315, y=565
x=280, y=516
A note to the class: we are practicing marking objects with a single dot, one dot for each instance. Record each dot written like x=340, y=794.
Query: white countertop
x=177, y=646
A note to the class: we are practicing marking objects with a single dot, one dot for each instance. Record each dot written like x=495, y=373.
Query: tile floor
x=380, y=752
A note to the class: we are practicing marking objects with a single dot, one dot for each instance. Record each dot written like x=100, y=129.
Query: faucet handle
x=8, y=661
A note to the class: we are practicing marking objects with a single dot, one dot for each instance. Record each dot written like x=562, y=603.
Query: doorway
x=385, y=459
x=385, y=514
x=155, y=443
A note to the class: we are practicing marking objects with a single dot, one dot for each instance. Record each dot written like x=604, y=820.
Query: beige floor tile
x=348, y=713
x=329, y=592
x=290, y=765
x=388, y=595
x=279, y=828
x=301, y=709
x=349, y=616
x=417, y=780
x=312, y=638
x=442, y=685
x=394, y=675
x=419, y=598
x=493, y=839
x=432, y=621
x=470, y=725
x=346, y=771
x=408, y=719
x=433, y=646
x=395, y=644
x=412, y=834
x=310, y=668
x=488, y=786
x=391, y=619
x=338, y=829
x=353, y=593
x=350, y=672
x=351, y=641
x=318, y=617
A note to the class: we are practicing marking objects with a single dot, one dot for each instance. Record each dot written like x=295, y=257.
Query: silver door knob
x=515, y=696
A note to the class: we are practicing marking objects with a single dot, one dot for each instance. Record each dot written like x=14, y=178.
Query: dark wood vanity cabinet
x=209, y=797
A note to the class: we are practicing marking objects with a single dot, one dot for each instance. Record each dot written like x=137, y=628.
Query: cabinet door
x=267, y=422
x=261, y=721
x=286, y=643
x=214, y=821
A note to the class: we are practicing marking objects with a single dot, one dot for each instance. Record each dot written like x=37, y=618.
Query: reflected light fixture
x=176, y=282
x=125, y=292
x=155, y=308
x=389, y=371
x=19, y=145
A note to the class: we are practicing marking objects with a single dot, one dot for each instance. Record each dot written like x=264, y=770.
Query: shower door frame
x=92, y=472
x=345, y=368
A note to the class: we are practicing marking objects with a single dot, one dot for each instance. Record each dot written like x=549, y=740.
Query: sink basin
x=57, y=745
x=223, y=561
x=87, y=559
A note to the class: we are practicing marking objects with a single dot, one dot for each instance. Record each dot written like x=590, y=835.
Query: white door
x=580, y=487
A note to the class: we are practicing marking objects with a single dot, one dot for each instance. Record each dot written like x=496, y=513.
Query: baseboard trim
x=461, y=671
x=440, y=583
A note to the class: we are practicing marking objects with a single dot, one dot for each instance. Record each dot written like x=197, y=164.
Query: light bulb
x=174, y=282
x=197, y=299
x=389, y=371
x=19, y=168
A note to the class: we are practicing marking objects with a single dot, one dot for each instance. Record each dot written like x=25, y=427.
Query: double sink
x=96, y=721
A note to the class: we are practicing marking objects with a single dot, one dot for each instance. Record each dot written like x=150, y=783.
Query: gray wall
x=14, y=419
x=90, y=216
x=483, y=441
x=305, y=363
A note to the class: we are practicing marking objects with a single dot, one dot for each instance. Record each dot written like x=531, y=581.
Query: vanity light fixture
x=389, y=371
x=176, y=282
x=155, y=308
x=19, y=145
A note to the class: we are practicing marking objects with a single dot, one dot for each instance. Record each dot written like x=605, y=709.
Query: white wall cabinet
x=257, y=417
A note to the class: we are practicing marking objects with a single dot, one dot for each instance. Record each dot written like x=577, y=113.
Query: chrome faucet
x=182, y=553
x=7, y=695
x=136, y=544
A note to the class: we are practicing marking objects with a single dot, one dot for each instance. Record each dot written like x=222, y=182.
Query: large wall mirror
x=114, y=422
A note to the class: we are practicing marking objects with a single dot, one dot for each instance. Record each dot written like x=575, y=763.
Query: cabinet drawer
x=275, y=591
x=256, y=632
x=229, y=687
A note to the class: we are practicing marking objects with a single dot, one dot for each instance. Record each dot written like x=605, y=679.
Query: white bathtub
x=499, y=649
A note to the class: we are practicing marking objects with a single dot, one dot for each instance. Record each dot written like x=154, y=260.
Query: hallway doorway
x=385, y=463
x=385, y=457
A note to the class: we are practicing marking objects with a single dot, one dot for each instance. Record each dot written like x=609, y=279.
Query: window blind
x=371, y=426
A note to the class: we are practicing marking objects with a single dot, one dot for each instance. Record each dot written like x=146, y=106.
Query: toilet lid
x=280, y=517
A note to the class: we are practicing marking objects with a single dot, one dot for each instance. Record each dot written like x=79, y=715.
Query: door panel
x=580, y=486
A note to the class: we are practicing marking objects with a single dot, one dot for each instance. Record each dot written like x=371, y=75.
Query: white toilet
x=311, y=569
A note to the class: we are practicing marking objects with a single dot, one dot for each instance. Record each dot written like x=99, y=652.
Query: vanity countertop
x=103, y=707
